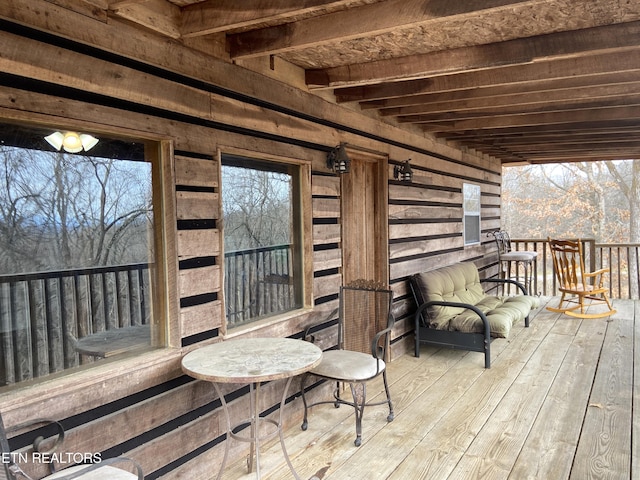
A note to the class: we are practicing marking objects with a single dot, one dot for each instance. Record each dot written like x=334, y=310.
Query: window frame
x=467, y=215
x=301, y=215
x=113, y=378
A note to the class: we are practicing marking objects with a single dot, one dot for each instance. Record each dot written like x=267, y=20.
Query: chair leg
x=359, y=392
x=391, y=415
x=606, y=299
x=305, y=424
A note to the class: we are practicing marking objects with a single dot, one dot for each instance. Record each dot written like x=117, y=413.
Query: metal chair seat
x=518, y=256
x=103, y=473
x=348, y=366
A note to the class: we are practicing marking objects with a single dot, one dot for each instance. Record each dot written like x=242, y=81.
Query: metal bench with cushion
x=454, y=310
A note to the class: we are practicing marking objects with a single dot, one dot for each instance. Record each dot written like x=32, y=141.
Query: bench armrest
x=468, y=306
x=506, y=280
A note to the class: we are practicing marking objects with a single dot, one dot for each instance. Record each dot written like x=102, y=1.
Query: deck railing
x=621, y=258
x=258, y=282
x=43, y=314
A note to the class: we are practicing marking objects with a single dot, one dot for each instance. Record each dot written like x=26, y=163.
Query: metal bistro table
x=252, y=361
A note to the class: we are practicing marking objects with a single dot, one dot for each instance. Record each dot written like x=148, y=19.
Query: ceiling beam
x=513, y=52
x=496, y=134
x=213, y=16
x=509, y=121
x=158, y=15
x=606, y=64
x=531, y=109
x=358, y=22
x=621, y=79
x=560, y=97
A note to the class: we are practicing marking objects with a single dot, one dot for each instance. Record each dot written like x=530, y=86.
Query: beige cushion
x=348, y=366
x=518, y=256
x=103, y=473
x=461, y=283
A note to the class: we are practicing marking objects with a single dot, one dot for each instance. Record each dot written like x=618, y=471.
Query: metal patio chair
x=507, y=256
x=364, y=327
x=45, y=448
x=575, y=283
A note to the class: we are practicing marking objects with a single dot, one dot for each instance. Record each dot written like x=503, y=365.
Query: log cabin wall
x=76, y=68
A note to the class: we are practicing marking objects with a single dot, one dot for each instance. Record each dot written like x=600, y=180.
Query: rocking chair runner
x=103, y=470
x=574, y=281
x=364, y=328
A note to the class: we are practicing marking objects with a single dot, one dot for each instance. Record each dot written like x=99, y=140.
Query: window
x=471, y=206
x=77, y=250
x=262, y=238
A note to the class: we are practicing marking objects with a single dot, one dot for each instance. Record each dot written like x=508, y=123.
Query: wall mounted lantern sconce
x=71, y=142
x=403, y=172
x=338, y=160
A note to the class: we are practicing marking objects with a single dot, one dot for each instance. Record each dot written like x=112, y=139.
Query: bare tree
x=64, y=211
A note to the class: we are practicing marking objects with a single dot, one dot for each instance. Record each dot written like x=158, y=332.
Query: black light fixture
x=338, y=160
x=403, y=172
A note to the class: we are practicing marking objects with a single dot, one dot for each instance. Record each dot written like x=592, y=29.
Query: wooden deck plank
x=550, y=447
x=496, y=447
x=413, y=379
x=442, y=448
x=559, y=396
x=604, y=449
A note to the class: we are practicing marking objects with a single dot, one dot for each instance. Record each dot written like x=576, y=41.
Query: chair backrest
x=5, y=452
x=47, y=436
x=365, y=310
x=568, y=262
x=503, y=241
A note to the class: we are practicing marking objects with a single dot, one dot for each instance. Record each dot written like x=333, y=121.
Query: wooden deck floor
x=556, y=404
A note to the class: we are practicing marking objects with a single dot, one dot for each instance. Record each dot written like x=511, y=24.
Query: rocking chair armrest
x=597, y=276
x=506, y=280
x=602, y=271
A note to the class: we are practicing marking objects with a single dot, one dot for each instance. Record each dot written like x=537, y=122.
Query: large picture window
x=262, y=238
x=471, y=206
x=77, y=250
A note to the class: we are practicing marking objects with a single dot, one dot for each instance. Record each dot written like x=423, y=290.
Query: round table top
x=247, y=360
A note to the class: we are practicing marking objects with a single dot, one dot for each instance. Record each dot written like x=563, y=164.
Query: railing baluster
x=257, y=283
x=42, y=314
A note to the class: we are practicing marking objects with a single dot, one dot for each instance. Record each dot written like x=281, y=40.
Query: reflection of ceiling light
x=72, y=142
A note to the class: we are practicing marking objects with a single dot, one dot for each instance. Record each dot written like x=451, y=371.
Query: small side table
x=115, y=341
x=252, y=361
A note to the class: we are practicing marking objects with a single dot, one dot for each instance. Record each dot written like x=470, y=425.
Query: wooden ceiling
x=527, y=81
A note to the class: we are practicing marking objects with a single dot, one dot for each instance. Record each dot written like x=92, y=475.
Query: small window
x=262, y=239
x=76, y=250
x=471, y=206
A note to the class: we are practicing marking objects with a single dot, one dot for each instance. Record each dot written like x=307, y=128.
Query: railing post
x=592, y=254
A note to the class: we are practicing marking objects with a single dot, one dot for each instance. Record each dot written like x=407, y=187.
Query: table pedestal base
x=254, y=423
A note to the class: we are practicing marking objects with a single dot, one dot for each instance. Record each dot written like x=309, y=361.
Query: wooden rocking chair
x=573, y=281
